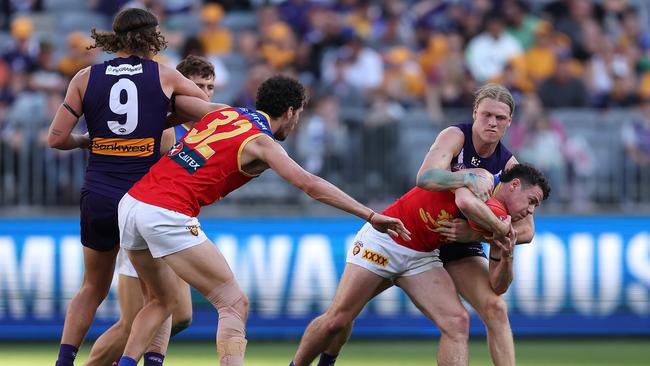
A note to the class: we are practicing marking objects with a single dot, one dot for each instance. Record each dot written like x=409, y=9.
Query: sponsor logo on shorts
x=186, y=157
x=123, y=147
x=357, y=248
x=194, y=229
x=375, y=257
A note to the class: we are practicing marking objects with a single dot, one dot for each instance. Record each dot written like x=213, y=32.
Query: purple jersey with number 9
x=125, y=110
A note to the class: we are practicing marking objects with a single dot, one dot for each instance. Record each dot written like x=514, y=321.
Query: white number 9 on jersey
x=129, y=107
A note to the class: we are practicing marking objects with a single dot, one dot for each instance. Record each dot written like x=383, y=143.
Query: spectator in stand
x=404, y=80
x=607, y=69
x=570, y=17
x=354, y=69
x=488, y=53
x=544, y=149
x=562, y=89
x=521, y=23
x=23, y=49
x=216, y=38
x=541, y=57
x=193, y=46
x=323, y=140
x=256, y=75
x=394, y=27
x=78, y=56
x=636, y=140
x=279, y=46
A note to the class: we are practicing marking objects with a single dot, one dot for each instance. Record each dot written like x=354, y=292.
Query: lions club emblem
x=357, y=248
x=194, y=230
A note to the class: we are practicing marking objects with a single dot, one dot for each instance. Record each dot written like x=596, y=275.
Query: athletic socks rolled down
x=326, y=360
x=127, y=361
x=67, y=354
x=153, y=359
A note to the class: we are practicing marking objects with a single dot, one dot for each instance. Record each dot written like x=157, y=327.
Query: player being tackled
x=377, y=261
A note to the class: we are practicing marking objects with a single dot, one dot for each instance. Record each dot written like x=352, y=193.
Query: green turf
x=610, y=352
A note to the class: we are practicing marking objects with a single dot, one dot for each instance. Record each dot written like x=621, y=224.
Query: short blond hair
x=497, y=92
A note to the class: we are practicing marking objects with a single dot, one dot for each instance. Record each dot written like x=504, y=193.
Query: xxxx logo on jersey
x=375, y=257
x=186, y=157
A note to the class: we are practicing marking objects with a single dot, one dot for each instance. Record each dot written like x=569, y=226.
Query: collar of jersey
x=267, y=123
x=496, y=189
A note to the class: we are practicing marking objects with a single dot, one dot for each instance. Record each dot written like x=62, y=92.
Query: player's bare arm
x=501, y=269
x=277, y=159
x=187, y=108
x=476, y=210
x=176, y=85
x=173, y=82
x=166, y=140
x=60, y=134
x=434, y=174
x=526, y=227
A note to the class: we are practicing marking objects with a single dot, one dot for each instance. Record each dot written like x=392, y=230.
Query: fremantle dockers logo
x=476, y=161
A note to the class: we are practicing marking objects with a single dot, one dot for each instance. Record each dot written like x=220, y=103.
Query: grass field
x=569, y=352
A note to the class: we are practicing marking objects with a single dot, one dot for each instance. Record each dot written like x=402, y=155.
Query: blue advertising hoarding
x=580, y=276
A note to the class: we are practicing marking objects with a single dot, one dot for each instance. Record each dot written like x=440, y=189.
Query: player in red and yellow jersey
x=377, y=261
x=158, y=226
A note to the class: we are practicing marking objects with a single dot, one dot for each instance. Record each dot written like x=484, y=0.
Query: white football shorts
x=162, y=231
x=380, y=254
x=124, y=265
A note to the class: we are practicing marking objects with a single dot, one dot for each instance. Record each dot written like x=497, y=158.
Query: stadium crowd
x=391, y=60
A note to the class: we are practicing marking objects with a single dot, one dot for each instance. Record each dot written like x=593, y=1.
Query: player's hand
x=480, y=182
x=505, y=226
x=457, y=230
x=505, y=243
x=390, y=225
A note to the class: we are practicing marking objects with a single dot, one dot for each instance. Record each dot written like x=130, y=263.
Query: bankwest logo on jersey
x=186, y=157
x=123, y=147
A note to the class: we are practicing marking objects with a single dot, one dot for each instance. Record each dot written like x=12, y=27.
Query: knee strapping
x=231, y=347
x=232, y=305
x=226, y=294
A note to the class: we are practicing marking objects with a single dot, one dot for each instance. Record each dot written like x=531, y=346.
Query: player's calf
x=232, y=305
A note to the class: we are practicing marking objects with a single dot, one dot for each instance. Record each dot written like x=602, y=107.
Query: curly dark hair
x=276, y=94
x=196, y=66
x=528, y=175
x=134, y=31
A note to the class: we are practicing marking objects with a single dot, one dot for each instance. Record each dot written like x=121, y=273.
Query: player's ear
x=515, y=183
